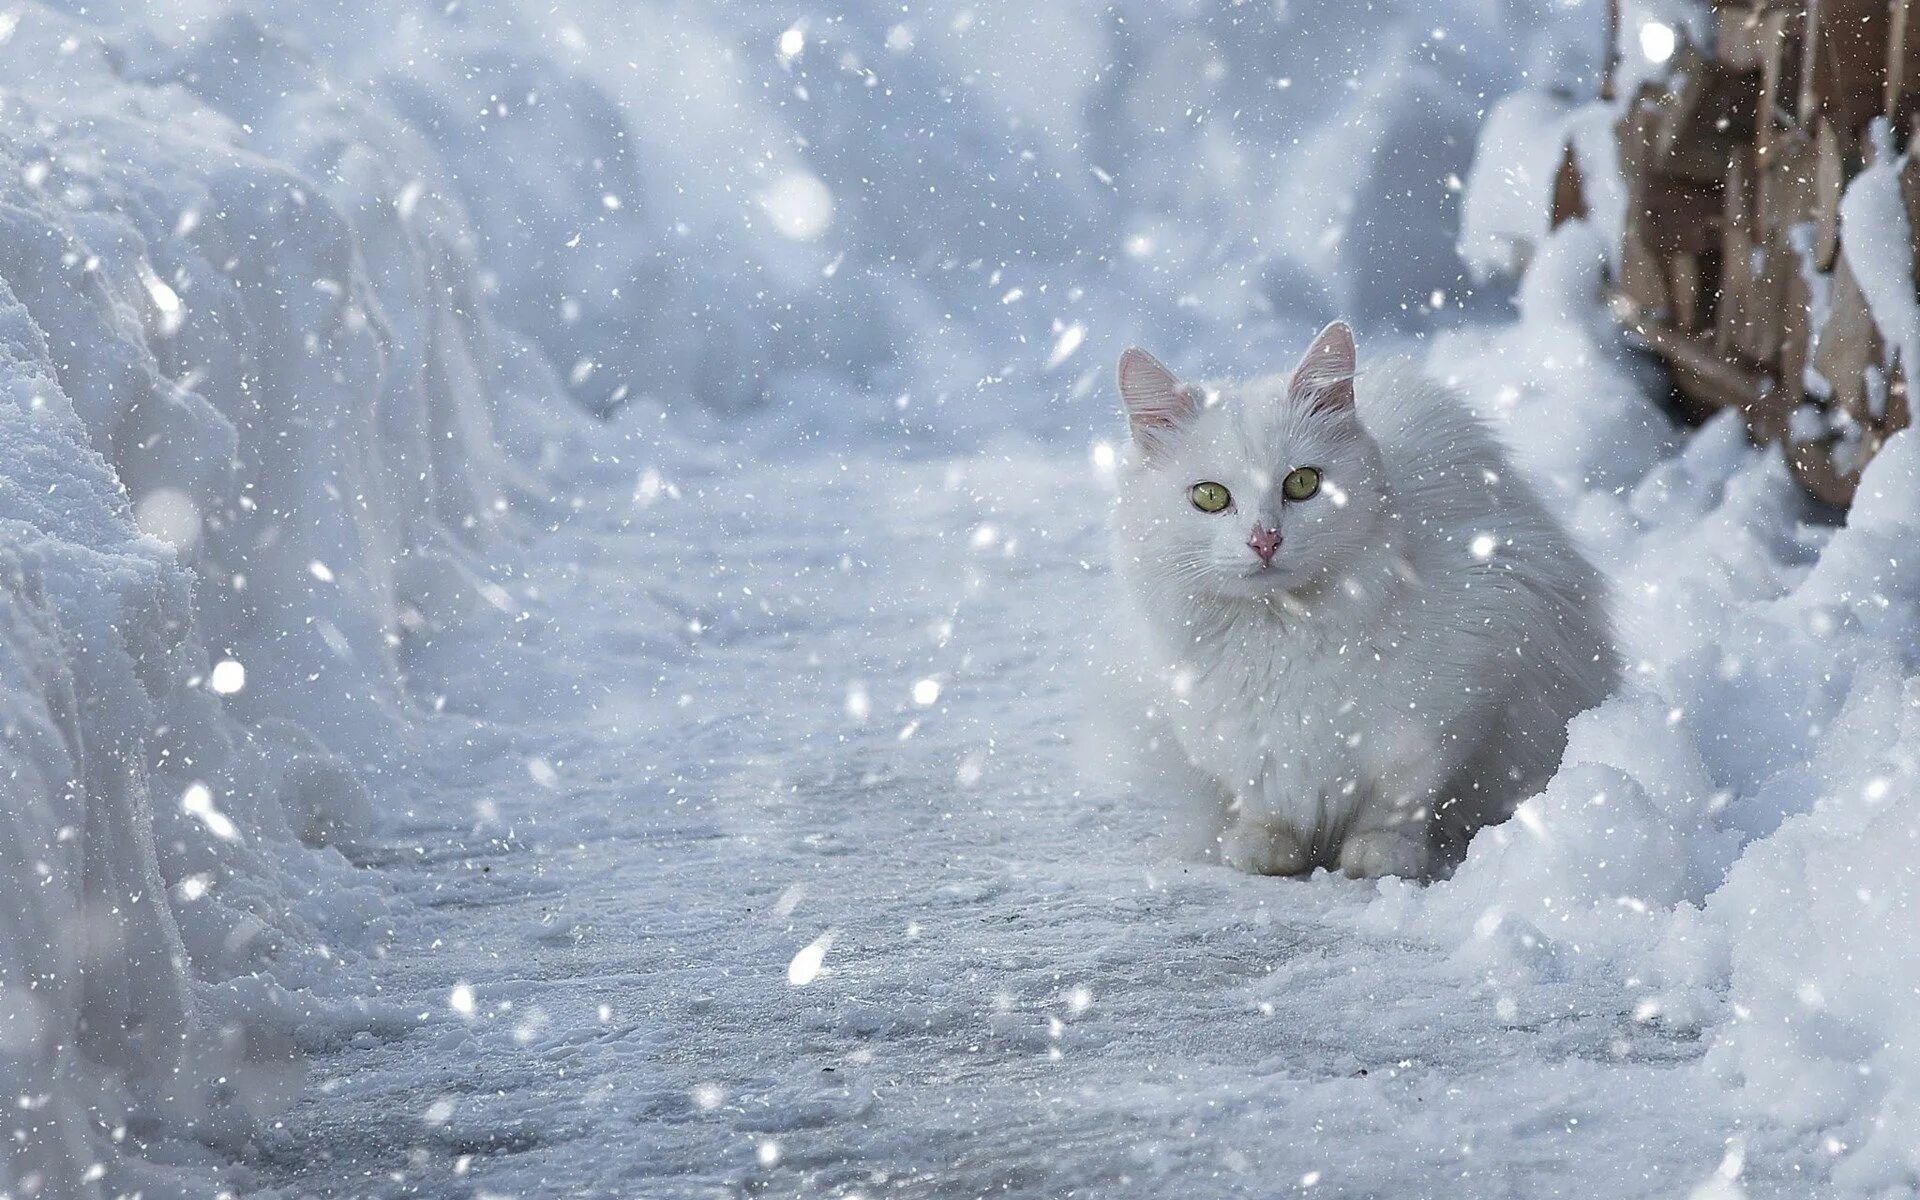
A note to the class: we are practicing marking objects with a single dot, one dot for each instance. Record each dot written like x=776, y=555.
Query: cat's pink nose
x=1264, y=542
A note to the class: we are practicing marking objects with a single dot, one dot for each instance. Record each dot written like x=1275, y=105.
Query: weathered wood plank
x=1734, y=175
x=1843, y=64
x=1829, y=180
x=1900, y=99
x=1849, y=344
x=1737, y=253
x=1779, y=49
x=1698, y=124
x=1569, y=191
x=1736, y=35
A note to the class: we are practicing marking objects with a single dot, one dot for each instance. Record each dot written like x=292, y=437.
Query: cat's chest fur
x=1294, y=713
x=1310, y=709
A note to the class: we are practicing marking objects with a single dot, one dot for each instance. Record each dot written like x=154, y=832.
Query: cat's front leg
x=1391, y=833
x=1405, y=853
x=1269, y=831
x=1263, y=845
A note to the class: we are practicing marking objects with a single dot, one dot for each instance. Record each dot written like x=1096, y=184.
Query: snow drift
x=250, y=404
x=1728, y=846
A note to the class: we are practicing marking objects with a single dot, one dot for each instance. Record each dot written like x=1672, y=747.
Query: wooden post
x=1903, y=67
x=1737, y=252
x=1734, y=175
x=1613, y=50
x=1829, y=180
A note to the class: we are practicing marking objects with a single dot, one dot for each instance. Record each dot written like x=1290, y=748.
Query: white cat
x=1359, y=634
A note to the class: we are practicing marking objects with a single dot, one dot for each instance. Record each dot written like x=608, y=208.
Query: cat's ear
x=1324, y=378
x=1155, y=401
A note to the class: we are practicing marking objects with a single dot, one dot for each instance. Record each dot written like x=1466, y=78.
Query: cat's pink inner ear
x=1155, y=401
x=1324, y=377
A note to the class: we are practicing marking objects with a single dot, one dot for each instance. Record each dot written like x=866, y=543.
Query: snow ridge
x=249, y=406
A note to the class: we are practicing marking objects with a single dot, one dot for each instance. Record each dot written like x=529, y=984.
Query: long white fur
x=1404, y=671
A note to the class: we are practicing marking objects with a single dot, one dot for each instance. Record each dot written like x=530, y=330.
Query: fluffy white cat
x=1358, y=634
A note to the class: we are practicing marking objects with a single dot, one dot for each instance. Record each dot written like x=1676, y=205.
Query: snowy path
x=1020, y=996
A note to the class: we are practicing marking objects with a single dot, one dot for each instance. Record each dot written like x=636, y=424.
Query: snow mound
x=249, y=409
x=1728, y=846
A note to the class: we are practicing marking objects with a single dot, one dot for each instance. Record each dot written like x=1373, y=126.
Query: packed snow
x=550, y=557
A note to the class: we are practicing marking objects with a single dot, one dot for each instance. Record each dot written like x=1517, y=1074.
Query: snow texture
x=1509, y=198
x=1877, y=240
x=251, y=421
x=419, y=788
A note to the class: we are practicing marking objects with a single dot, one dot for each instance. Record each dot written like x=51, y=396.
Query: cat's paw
x=1262, y=848
x=1378, y=852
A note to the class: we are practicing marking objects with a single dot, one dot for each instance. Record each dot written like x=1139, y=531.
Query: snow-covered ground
x=615, y=956
x=417, y=787
x=805, y=888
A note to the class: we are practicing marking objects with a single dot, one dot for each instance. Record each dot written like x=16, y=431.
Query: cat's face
x=1255, y=488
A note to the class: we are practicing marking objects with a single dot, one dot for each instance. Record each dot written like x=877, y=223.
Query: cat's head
x=1243, y=490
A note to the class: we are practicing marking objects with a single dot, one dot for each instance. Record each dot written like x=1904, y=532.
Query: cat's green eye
x=1210, y=497
x=1300, y=484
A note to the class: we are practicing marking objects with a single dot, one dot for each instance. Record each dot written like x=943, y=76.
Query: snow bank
x=250, y=404
x=1817, y=921
x=1728, y=846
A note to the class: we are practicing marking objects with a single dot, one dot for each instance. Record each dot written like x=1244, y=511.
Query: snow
x=243, y=444
x=1725, y=842
x=1877, y=240
x=1651, y=33
x=1509, y=194
x=417, y=787
x=898, y=978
